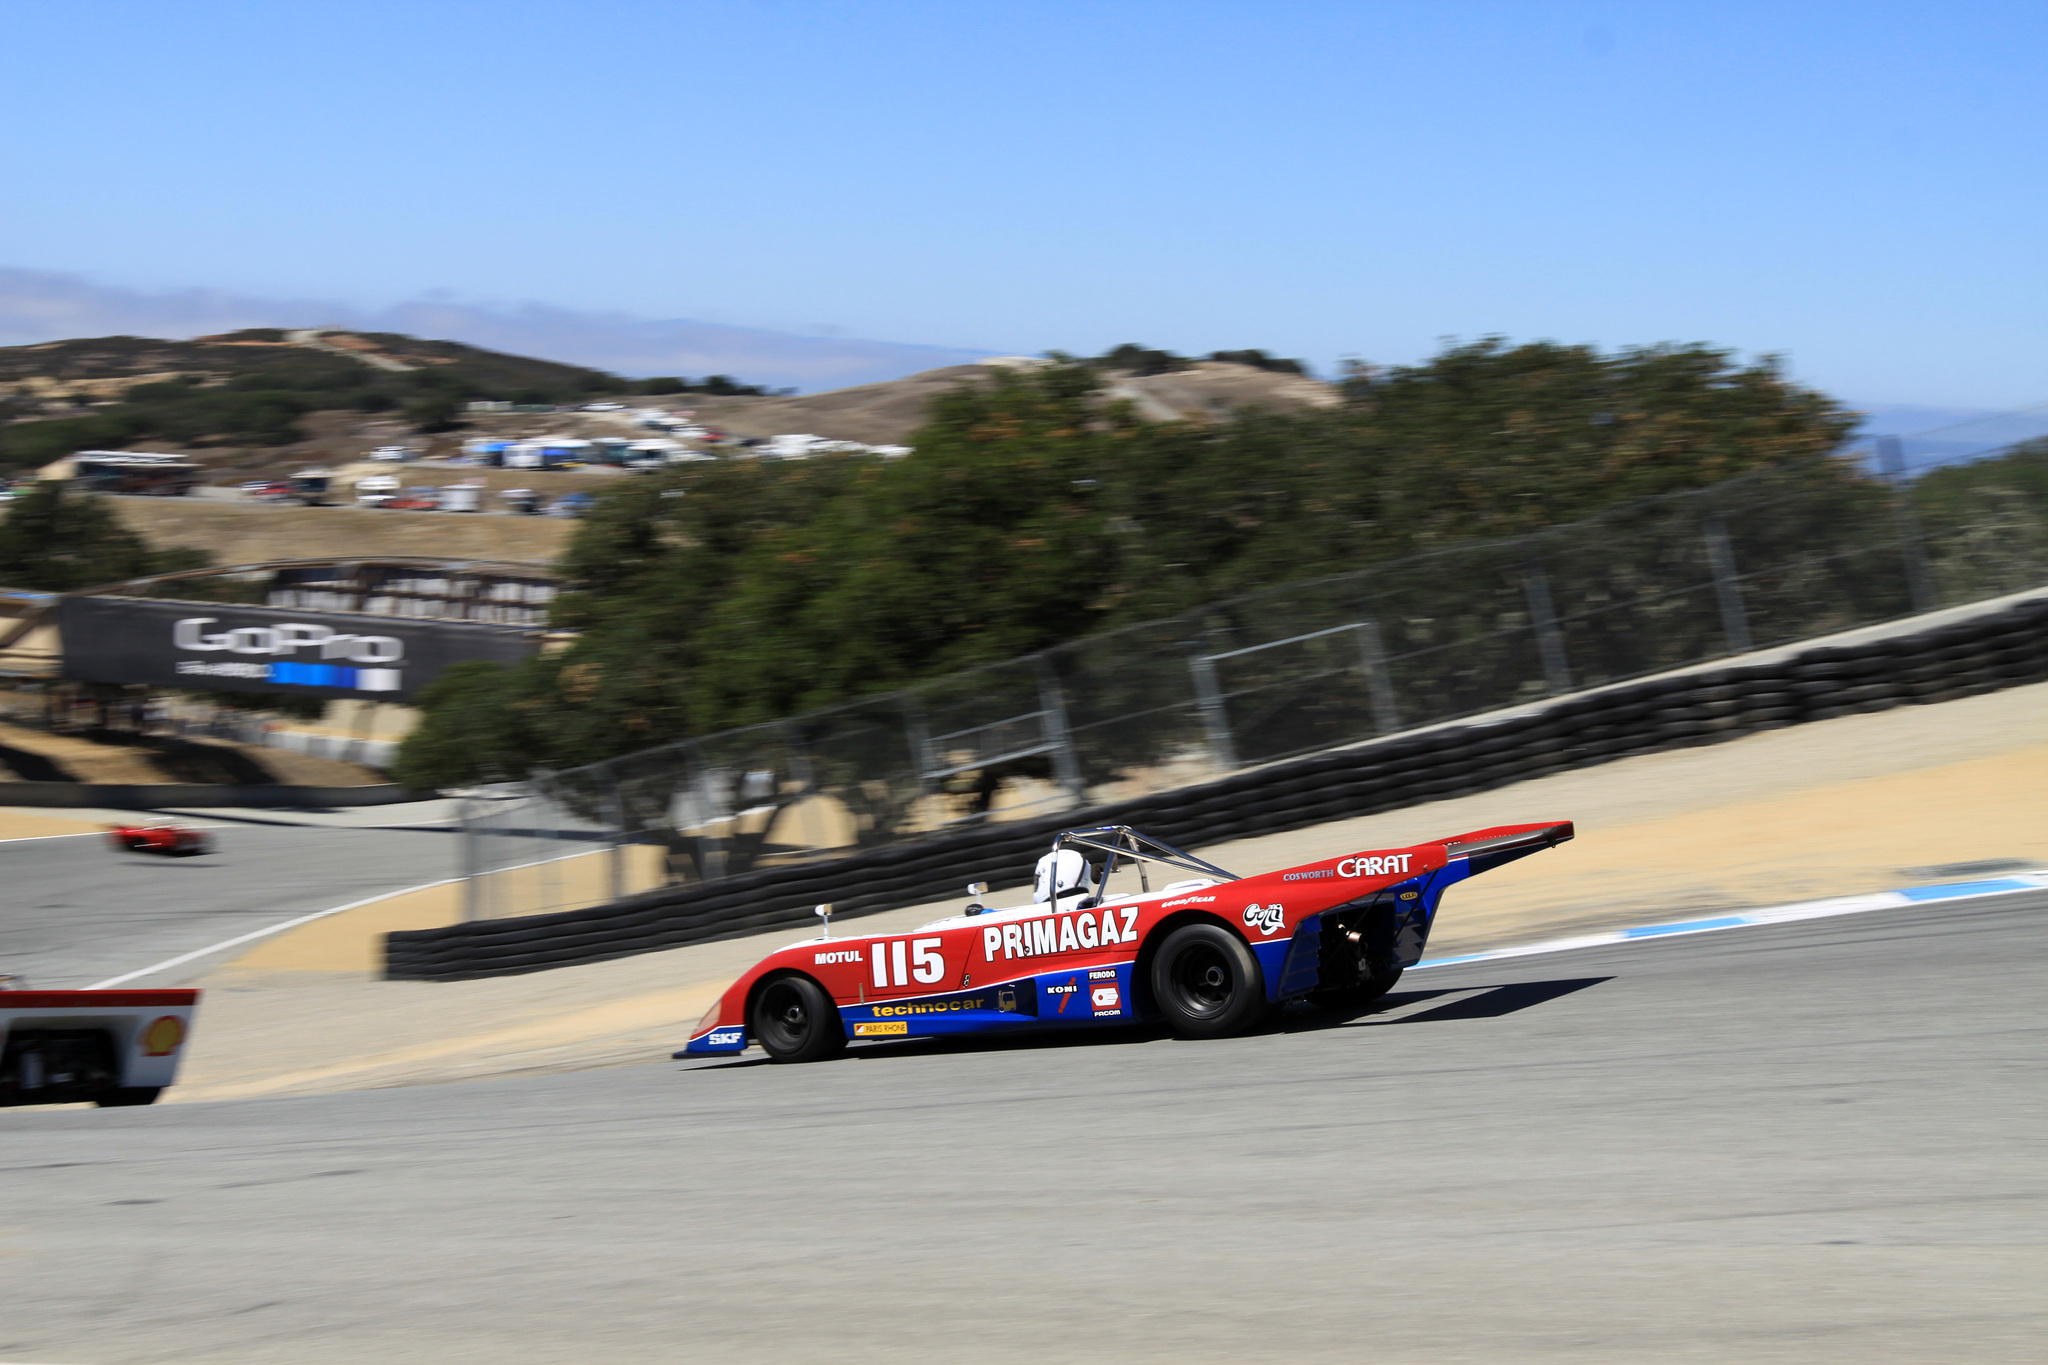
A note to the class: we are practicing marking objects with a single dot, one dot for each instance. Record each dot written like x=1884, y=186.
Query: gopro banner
x=266, y=649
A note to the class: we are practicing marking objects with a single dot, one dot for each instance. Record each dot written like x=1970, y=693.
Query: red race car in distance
x=173, y=841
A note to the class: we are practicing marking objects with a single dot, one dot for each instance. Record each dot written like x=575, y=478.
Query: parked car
x=416, y=500
x=571, y=504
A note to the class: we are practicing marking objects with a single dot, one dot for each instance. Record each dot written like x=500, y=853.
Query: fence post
x=1052, y=705
x=472, y=861
x=920, y=737
x=615, y=870
x=1378, y=683
x=1215, y=720
x=1727, y=586
x=1891, y=460
x=1543, y=617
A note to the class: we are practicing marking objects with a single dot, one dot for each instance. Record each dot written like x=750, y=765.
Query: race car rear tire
x=795, y=1021
x=1207, y=983
x=129, y=1094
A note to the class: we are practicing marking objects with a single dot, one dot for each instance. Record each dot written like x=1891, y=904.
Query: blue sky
x=1859, y=187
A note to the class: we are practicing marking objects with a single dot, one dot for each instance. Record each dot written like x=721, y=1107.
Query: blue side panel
x=1086, y=995
x=1303, y=965
x=1077, y=996
x=1415, y=908
x=733, y=1039
x=1273, y=963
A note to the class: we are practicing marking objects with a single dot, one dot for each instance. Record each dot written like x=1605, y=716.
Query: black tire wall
x=2004, y=649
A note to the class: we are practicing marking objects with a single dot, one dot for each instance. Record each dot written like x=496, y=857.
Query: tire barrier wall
x=1983, y=654
x=169, y=795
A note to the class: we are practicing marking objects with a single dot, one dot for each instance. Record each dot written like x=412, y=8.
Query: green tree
x=56, y=540
x=1033, y=511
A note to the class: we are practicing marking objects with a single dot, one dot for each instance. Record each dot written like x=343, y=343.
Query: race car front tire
x=795, y=1021
x=1206, y=982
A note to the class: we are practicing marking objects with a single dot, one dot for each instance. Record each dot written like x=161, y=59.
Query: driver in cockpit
x=1062, y=881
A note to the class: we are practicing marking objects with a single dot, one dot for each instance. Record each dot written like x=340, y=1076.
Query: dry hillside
x=889, y=413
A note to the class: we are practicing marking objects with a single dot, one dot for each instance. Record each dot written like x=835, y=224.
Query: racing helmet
x=1059, y=876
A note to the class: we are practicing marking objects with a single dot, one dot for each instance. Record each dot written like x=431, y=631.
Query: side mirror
x=824, y=913
x=975, y=891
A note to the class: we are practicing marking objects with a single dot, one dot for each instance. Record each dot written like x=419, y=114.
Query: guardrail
x=1999, y=649
x=201, y=796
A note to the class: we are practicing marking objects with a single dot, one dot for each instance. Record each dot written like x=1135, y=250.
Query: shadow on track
x=1491, y=1002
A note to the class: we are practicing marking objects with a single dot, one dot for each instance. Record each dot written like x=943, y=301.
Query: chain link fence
x=1763, y=560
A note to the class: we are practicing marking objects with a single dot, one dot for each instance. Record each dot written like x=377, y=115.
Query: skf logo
x=1265, y=918
x=724, y=1037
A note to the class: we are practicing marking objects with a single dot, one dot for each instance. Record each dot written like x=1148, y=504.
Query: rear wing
x=1486, y=849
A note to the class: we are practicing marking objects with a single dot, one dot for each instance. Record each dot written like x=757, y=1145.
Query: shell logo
x=163, y=1035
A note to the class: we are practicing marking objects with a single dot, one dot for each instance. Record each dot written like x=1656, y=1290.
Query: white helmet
x=1060, y=875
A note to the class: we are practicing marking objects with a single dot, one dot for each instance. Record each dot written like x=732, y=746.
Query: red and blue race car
x=1209, y=953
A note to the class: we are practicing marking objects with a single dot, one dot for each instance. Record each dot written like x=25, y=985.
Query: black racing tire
x=126, y=1095
x=1207, y=983
x=795, y=1021
x=1357, y=995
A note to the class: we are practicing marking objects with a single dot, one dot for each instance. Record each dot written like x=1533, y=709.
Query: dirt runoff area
x=1862, y=803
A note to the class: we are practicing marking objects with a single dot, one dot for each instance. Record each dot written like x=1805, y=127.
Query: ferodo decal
x=1382, y=866
x=162, y=1036
x=1066, y=934
x=1265, y=918
x=887, y=1028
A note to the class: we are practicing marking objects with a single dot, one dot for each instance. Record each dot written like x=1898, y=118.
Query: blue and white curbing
x=1776, y=914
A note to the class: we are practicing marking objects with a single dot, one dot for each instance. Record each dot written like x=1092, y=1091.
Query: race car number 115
x=912, y=960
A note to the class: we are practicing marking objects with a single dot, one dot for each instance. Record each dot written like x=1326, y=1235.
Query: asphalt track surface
x=74, y=911
x=1817, y=1141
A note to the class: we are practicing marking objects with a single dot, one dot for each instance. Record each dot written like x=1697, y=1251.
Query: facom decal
x=890, y=1028
x=1107, y=1000
x=1266, y=918
x=838, y=955
x=1382, y=866
x=1065, y=934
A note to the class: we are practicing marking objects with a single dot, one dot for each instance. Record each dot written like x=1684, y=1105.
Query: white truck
x=376, y=489
x=100, y=1047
